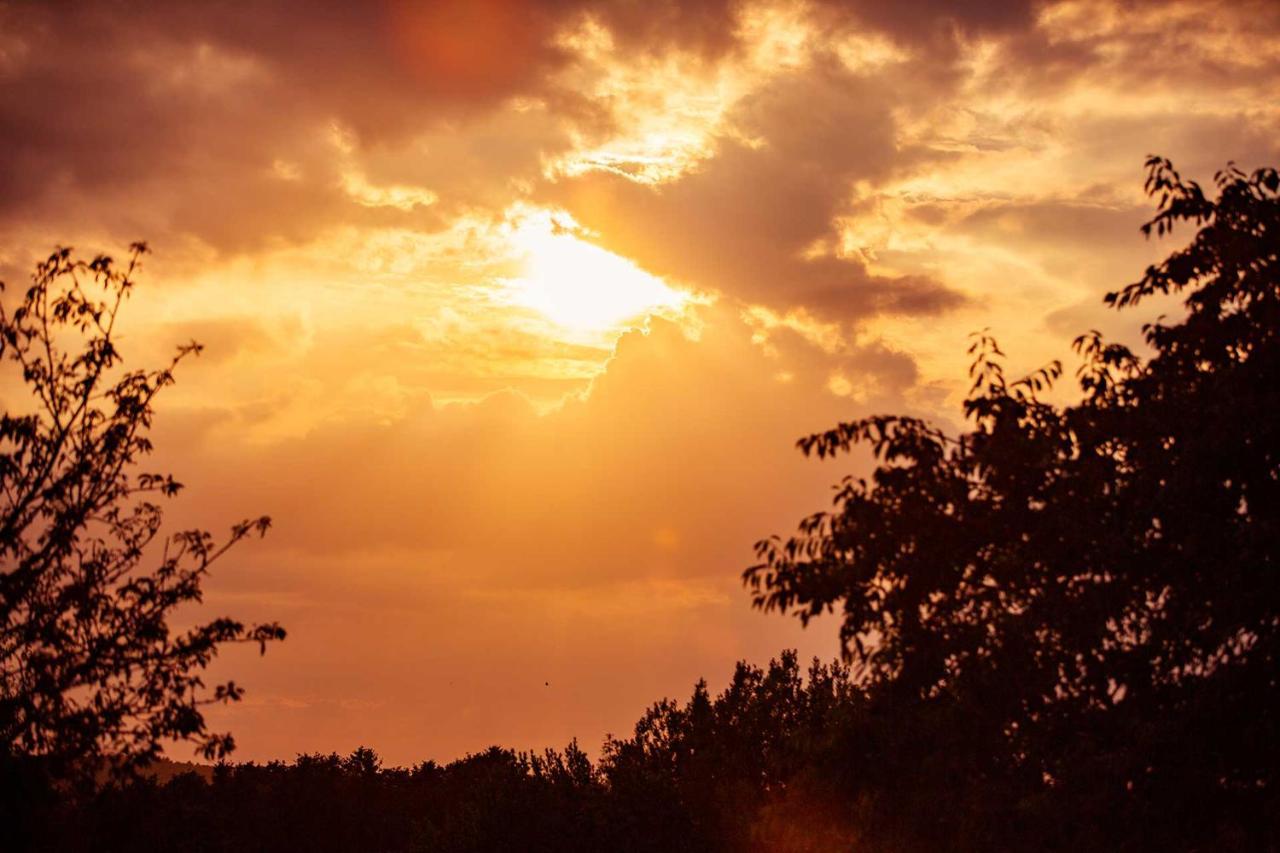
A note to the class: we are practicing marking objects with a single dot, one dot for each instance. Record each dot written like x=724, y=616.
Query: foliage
x=780, y=760
x=90, y=668
x=731, y=767
x=1095, y=581
x=714, y=773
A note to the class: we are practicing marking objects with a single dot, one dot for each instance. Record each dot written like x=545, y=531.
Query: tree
x=1095, y=582
x=749, y=769
x=89, y=665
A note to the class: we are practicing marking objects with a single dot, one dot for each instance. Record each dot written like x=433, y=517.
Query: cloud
x=673, y=438
x=244, y=125
x=240, y=124
x=936, y=21
x=746, y=220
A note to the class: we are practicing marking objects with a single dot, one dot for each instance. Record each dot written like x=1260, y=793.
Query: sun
x=579, y=285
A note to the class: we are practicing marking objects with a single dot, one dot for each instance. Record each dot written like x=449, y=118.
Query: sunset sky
x=513, y=311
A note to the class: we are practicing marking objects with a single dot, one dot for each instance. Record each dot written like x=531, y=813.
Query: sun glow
x=579, y=285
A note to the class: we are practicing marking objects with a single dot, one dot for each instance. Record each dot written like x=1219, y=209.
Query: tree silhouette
x=89, y=666
x=748, y=769
x=1096, y=582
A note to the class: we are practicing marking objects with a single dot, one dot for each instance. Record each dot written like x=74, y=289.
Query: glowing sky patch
x=579, y=285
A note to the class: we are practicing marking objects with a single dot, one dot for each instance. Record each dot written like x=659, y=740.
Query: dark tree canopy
x=90, y=668
x=1098, y=581
x=743, y=770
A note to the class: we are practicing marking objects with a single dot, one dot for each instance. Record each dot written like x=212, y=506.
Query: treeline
x=712, y=773
x=782, y=759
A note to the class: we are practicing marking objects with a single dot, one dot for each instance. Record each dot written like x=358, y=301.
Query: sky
x=513, y=311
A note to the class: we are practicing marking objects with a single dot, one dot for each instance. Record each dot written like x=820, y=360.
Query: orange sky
x=514, y=310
